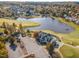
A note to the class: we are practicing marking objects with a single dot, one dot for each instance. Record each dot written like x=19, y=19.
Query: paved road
x=30, y=47
x=34, y=48
x=14, y=54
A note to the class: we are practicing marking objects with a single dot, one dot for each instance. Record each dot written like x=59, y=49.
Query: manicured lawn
x=1, y=29
x=73, y=36
x=69, y=51
x=24, y=24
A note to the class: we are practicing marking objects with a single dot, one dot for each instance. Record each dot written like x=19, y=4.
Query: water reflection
x=48, y=23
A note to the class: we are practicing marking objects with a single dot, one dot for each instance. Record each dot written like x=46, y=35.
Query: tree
x=28, y=31
x=2, y=45
x=11, y=28
x=14, y=25
x=12, y=39
x=35, y=34
x=2, y=39
x=22, y=31
x=3, y=53
x=4, y=24
x=20, y=26
x=50, y=48
x=6, y=31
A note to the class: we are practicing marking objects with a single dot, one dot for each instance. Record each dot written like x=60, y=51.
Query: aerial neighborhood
x=39, y=30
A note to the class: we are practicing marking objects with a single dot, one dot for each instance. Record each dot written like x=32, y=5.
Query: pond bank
x=24, y=24
x=47, y=23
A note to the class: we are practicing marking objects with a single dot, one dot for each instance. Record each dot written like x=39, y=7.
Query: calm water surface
x=49, y=24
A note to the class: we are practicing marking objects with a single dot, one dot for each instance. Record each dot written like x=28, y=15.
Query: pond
x=48, y=23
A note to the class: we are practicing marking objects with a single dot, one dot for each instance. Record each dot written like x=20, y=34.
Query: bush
x=3, y=53
x=2, y=45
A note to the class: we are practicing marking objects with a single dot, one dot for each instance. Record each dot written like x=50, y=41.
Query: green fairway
x=69, y=51
x=1, y=29
x=24, y=24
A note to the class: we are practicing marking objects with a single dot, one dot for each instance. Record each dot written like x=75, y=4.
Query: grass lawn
x=69, y=51
x=73, y=36
x=70, y=38
x=1, y=29
x=24, y=24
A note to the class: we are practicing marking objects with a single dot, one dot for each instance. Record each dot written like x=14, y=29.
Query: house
x=44, y=38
